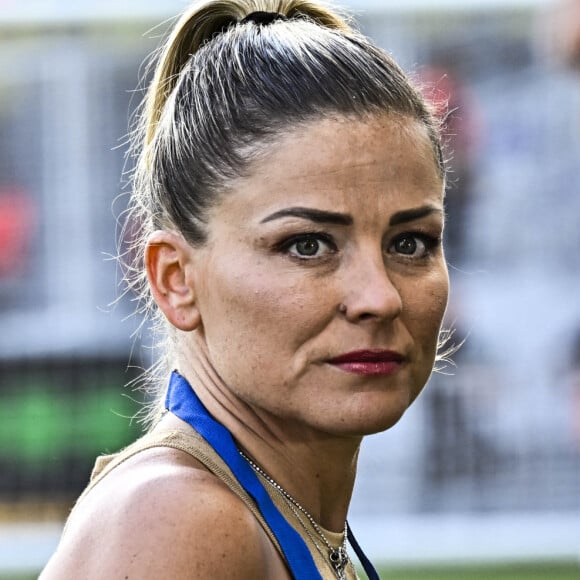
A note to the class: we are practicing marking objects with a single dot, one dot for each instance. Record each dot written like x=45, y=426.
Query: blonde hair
x=200, y=23
x=224, y=87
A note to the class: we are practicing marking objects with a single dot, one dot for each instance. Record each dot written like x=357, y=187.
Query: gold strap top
x=195, y=445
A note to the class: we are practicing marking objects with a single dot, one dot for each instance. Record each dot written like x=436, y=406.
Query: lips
x=369, y=362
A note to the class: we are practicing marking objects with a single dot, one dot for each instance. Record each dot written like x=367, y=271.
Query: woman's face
x=323, y=284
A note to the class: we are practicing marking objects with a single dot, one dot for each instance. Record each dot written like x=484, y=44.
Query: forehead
x=383, y=159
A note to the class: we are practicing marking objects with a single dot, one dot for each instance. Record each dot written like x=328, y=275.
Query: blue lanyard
x=183, y=402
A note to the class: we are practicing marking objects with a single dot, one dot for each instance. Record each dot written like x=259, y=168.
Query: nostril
x=366, y=316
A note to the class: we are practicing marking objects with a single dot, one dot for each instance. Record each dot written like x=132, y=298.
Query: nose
x=369, y=291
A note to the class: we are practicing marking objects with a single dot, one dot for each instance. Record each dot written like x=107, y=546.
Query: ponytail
x=202, y=22
x=199, y=24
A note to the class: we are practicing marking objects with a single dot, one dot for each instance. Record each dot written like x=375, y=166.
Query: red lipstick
x=369, y=362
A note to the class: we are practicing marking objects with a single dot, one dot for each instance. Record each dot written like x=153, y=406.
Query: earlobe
x=168, y=262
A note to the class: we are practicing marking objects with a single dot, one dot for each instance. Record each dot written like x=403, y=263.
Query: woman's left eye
x=414, y=245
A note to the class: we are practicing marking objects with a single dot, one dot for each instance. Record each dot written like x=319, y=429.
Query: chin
x=371, y=422
x=377, y=416
x=383, y=424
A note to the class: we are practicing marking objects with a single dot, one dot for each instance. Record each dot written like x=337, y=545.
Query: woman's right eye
x=309, y=246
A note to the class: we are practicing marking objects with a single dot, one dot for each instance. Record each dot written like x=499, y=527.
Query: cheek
x=425, y=312
x=426, y=307
x=258, y=309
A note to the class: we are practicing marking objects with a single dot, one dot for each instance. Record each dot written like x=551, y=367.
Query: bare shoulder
x=163, y=515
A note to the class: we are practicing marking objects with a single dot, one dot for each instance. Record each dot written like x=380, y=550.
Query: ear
x=169, y=266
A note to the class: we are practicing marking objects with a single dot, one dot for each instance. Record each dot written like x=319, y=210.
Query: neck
x=317, y=469
x=317, y=473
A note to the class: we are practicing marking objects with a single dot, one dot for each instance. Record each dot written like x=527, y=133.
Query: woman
x=290, y=192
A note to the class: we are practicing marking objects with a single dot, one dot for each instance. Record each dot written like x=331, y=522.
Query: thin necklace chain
x=338, y=556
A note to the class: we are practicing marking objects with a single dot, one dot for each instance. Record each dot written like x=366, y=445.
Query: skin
x=259, y=311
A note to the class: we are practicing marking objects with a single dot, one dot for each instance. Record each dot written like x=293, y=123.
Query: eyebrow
x=315, y=215
x=330, y=217
x=410, y=215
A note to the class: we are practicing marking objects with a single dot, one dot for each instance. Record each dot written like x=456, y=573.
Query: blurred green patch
x=39, y=422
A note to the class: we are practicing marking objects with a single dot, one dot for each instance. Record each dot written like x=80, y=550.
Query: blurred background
x=485, y=468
